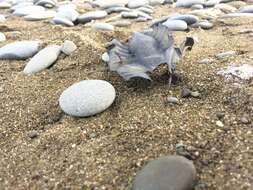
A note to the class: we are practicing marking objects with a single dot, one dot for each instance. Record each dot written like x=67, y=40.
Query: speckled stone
x=87, y=98
x=166, y=173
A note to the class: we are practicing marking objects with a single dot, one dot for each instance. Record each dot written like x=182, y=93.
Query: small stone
x=188, y=18
x=32, y=134
x=102, y=26
x=189, y=3
x=175, y=25
x=68, y=47
x=106, y=57
x=206, y=25
x=219, y=123
x=93, y=135
x=129, y=14
x=26, y=10
x=137, y=3
x=87, y=98
x=89, y=16
x=195, y=94
x=172, y=100
x=1, y=89
x=42, y=60
x=40, y=16
x=197, y=6
x=224, y=55
x=19, y=50
x=62, y=21
x=121, y=23
x=185, y=93
x=244, y=120
x=166, y=173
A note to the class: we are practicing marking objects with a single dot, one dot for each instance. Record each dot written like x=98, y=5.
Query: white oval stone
x=68, y=47
x=87, y=98
x=40, y=15
x=26, y=10
x=189, y=3
x=42, y=59
x=110, y=3
x=70, y=14
x=62, y=21
x=19, y=50
x=137, y=3
x=175, y=25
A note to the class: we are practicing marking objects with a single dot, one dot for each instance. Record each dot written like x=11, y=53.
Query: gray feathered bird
x=144, y=52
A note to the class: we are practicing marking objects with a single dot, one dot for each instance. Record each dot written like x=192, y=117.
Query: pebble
x=220, y=115
x=130, y=15
x=244, y=120
x=189, y=3
x=87, y=98
x=166, y=173
x=137, y=3
x=206, y=61
x=172, y=100
x=117, y=9
x=145, y=10
x=234, y=15
x=26, y=10
x=188, y=18
x=197, y=6
x=103, y=4
x=121, y=23
x=32, y=134
x=244, y=72
x=70, y=14
x=40, y=16
x=68, y=47
x=155, y=2
x=219, y=123
x=89, y=16
x=225, y=8
x=62, y=21
x=204, y=24
x=175, y=25
x=47, y=3
x=105, y=57
x=19, y=50
x=2, y=37
x=226, y=54
x=102, y=26
x=186, y=93
x=42, y=60
x=246, y=9
x=4, y=5
x=1, y=89
x=211, y=3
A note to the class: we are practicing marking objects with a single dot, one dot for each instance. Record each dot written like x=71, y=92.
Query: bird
x=145, y=51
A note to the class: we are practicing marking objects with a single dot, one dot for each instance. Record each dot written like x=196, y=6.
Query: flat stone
x=2, y=37
x=87, y=17
x=87, y=98
x=189, y=19
x=110, y=3
x=105, y=57
x=102, y=26
x=175, y=25
x=206, y=61
x=234, y=15
x=204, y=24
x=132, y=14
x=166, y=173
x=68, y=47
x=70, y=14
x=137, y=3
x=195, y=94
x=246, y=9
x=226, y=54
x=189, y=3
x=4, y=5
x=117, y=9
x=156, y=2
x=211, y=3
x=26, y=10
x=40, y=15
x=46, y=3
x=145, y=10
x=121, y=23
x=32, y=134
x=42, y=60
x=62, y=21
x=244, y=72
x=186, y=93
x=219, y=123
x=225, y=8
x=19, y=50
x=197, y=6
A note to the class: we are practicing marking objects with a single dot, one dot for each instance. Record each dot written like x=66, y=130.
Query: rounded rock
x=87, y=98
x=166, y=173
x=68, y=47
x=103, y=26
x=175, y=25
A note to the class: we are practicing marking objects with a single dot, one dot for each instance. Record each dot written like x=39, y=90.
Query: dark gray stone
x=166, y=173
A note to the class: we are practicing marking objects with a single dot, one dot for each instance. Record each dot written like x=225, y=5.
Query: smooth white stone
x=26, y=10
x=175, y=25
x=62, y=21
x=40, y=15
x=42, y=60
x=87, y=98
x=19, y=50
x=137, y=3
x=68, y=47
x=110, y=3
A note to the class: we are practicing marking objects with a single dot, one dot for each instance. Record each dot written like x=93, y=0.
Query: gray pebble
x=244, y=120
x=172, y=100
x=185, y=93
x=226, y=54
x=166, y=173
x=89, y=16
x=175, y=25
x=32, y=134
x=102, y=26
x=206, y=61
x=195, y=94
x=68, y=47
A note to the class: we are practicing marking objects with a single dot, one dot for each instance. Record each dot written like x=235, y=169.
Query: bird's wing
x=133, y=70
x=162, y=35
